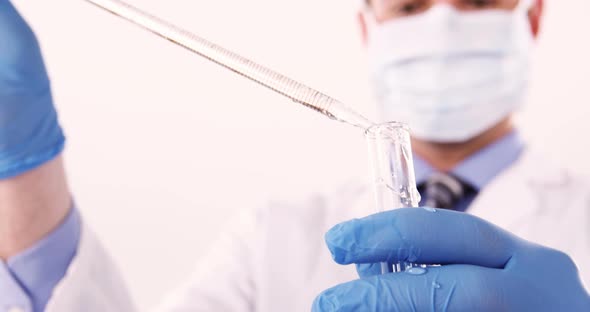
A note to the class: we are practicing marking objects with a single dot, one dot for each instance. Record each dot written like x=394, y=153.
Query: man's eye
x=410, y=8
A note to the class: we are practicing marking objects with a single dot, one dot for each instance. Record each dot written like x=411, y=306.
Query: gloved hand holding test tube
x=389, y=143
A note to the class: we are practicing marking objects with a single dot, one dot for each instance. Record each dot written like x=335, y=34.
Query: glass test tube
x=392, y=167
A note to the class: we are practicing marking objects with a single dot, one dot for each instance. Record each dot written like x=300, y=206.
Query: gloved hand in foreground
x=484, y=267
x=29, y=131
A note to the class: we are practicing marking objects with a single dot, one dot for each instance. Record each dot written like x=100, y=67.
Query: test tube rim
x=371, y=132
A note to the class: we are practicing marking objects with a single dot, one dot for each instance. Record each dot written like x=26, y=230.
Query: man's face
x=451, y=69
x=385, y=10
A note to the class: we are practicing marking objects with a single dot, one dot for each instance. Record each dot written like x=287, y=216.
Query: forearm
x=31, y=206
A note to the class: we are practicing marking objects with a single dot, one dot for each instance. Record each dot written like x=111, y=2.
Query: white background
x=163, y=146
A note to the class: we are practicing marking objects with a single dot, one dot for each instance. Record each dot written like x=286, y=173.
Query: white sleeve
x=222, y=282
x=92, y=282
x=224, y=278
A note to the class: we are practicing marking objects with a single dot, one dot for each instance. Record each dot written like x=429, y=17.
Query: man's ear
x=535, y=16
x=363, y=27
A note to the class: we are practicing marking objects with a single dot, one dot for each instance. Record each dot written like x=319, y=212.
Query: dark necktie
x=443, y=191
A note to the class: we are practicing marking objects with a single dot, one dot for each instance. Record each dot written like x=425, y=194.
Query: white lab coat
x=275, y=259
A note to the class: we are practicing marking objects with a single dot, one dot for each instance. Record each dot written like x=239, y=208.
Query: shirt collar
x=482, y=167
x=39, y=268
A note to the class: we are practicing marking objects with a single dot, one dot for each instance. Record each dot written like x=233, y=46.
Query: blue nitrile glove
x=29, y=131
x=484, y=267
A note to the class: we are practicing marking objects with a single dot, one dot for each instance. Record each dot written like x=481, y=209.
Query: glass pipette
x=266, y=77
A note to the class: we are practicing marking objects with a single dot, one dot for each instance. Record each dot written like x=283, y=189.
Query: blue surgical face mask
x=451, y=75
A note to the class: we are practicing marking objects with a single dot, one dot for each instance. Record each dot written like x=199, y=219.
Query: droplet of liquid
x=435, y=285
x=406, y=197
x=416, y=271
x=429, y=209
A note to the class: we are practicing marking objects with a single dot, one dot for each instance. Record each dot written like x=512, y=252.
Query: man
x=455, y=70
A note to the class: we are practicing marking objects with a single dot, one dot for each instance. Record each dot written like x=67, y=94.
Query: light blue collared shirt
x=27, y=280
x=480, y=168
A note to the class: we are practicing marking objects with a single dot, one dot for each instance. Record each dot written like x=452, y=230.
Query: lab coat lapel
x=513, y=196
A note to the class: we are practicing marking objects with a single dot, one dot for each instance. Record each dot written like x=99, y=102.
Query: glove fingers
x=452, y=288
x=417, y=235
